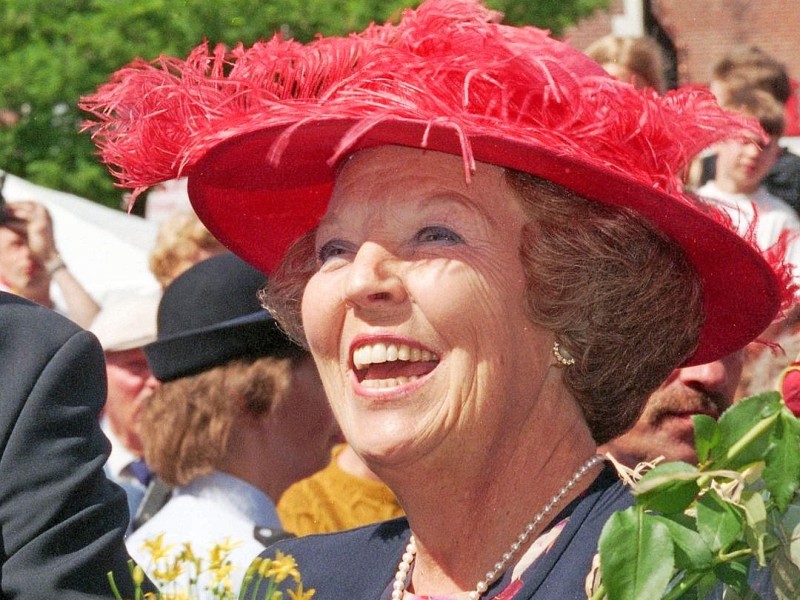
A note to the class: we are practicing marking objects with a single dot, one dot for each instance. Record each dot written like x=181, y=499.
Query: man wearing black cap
x=240, y=415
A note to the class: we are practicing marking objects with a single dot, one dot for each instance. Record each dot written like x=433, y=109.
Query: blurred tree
x=53, y=52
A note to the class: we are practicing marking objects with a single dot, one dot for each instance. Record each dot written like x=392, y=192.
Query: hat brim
x=192, y=352
x=257, y=203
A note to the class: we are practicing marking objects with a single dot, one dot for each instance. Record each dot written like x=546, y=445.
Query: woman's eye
x=330, y=250
x=438, y=233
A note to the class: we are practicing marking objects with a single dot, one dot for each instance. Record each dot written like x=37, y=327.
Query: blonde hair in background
x=638, y=60
x=186, y=425
x=182, y=241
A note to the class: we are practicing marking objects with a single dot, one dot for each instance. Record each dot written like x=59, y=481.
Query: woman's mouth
x=386, y=365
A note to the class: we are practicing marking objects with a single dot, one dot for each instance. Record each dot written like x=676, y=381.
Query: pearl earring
x=563, y=357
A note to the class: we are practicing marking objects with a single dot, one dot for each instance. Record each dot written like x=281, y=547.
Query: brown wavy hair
x=618, y=295
x=186, y=424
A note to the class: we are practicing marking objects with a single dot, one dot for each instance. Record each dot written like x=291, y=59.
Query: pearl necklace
x=401, y=577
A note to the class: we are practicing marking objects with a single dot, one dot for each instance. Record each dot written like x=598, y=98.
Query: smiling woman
x=483, y=241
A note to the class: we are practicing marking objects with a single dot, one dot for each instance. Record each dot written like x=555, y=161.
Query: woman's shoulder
x=368, y=538
x=356, y=563
x=610, y=492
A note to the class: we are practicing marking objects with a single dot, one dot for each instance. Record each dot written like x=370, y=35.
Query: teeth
x=381, y=353
x=387, y=383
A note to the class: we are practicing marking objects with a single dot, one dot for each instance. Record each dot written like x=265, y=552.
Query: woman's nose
x=374, y=278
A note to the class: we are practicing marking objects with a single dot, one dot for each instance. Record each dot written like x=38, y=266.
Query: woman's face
x=415, y=314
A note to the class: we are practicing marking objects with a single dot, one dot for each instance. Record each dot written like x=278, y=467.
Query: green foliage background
x=55, y=51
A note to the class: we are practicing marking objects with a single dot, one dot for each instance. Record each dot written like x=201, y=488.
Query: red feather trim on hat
x=155, y=120
x=447, y=63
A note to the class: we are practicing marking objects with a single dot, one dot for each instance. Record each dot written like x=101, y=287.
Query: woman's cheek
x=321, y=318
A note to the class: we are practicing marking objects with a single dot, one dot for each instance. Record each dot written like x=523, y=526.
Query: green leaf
x=755, y=533
x=691, y=551
x=705, y=586
x=784, y=574
x=636, y=556
x=789, y=533
x=718, y=522
x=669, y=488
x=706, y=436
x=782, y=471
x=734, y=574
x=739, y=423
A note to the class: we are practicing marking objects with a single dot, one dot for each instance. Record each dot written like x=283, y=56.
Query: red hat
x=259, y=133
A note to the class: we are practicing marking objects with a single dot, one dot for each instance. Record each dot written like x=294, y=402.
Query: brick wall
x=704, y=30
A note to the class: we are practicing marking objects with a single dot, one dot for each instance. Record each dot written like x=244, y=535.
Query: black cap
x=210, y=315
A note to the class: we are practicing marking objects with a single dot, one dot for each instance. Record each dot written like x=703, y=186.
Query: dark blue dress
x=360, y=564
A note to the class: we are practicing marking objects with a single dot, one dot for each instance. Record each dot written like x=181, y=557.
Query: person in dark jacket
x=61, y=521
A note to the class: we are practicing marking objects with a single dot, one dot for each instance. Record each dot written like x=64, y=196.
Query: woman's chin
x=381, y=450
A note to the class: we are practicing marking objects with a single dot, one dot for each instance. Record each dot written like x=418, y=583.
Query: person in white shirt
x=240, y=415
x=123, y=328
x=740, y=170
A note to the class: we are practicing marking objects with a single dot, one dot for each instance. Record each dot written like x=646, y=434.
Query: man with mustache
x=665, y=426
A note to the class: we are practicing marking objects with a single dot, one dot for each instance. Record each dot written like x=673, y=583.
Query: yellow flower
x=281, y=567
x=264, y=567
x=300, y=594
x=187, y=554
x=220, y=573
x=156, y=548
x=219, y=552
x=138, y=575
x=170, y=572
x=209, y=577
x=179, y=595
x=227, y=546
x=254, y=567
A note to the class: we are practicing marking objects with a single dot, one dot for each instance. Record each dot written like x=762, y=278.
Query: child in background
x=741, y=166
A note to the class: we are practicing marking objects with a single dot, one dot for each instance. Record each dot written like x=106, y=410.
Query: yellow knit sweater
x=333, y=500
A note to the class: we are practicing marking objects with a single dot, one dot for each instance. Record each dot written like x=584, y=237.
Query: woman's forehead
x=387, y=185
x=402, y=159
x=398, y=170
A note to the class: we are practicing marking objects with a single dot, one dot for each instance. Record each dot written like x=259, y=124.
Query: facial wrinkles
x=463, y=302
x=392, y=229
x=420, y=275
x=464, y=411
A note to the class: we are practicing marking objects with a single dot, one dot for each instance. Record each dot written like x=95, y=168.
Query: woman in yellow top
x=343, y=495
